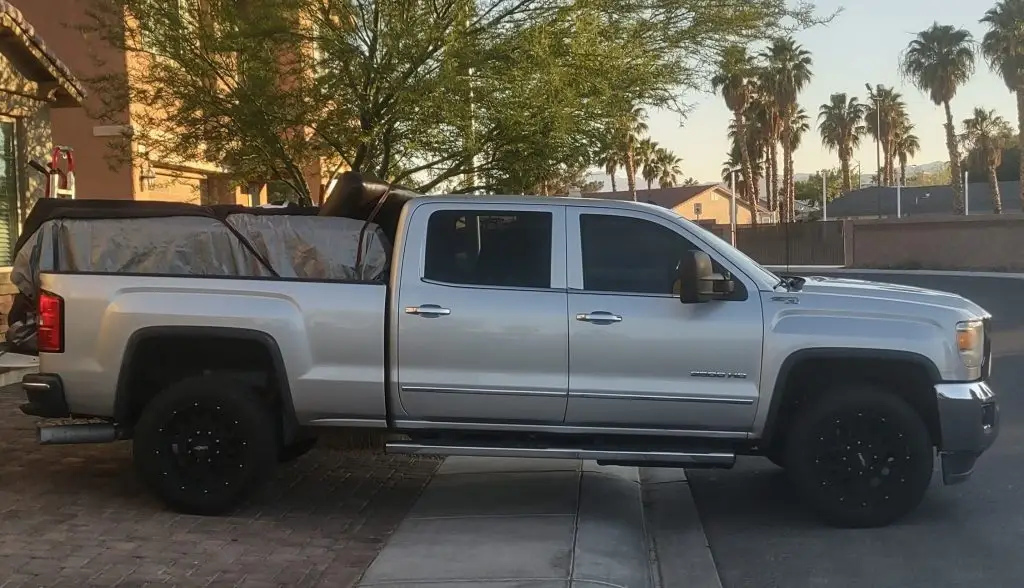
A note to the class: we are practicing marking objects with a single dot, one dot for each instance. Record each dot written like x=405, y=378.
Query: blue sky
x=861, y=45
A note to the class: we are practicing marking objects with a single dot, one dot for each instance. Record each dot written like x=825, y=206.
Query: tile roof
x=667, y=197
x=71, y=92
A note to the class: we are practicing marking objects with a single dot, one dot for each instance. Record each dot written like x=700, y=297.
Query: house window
x=9, y=209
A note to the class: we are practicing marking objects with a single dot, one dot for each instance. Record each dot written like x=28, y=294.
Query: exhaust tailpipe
x=81, y=433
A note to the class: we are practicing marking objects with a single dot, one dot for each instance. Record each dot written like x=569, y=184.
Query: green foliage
x=492, y=95
x=809, y=190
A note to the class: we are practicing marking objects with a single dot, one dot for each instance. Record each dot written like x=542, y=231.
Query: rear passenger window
x=489, y=248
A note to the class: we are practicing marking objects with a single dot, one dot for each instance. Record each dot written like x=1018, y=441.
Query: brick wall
x=7, y=292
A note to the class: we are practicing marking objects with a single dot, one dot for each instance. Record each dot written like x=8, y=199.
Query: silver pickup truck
x=526, y=327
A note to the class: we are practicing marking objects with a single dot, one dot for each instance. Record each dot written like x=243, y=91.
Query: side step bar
x=622, y=457
x=79, y=433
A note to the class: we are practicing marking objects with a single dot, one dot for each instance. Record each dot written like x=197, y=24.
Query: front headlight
x=970, y=342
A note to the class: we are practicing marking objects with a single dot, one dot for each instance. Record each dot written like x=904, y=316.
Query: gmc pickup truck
x=522, y=327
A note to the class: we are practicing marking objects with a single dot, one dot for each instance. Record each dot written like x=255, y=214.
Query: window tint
x=624, y=254
x=492, y=248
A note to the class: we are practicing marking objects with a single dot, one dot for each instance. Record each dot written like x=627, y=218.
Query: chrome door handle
x=427, y=310
x=599, y=316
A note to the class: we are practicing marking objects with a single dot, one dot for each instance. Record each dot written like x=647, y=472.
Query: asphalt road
x=969, y=535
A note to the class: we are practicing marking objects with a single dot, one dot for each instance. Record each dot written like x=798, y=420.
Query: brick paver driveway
x=78, y=516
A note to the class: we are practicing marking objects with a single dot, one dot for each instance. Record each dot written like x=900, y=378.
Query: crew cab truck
x=526, y=327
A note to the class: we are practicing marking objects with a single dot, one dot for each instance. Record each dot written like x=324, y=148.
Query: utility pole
x=824, y=194
x=878, y=133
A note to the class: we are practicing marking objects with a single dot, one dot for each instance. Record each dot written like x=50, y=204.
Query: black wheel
x=290, y=453
x=204, y=444
x=860, y=457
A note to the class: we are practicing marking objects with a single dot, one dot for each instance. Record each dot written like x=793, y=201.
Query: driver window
x=626, y=254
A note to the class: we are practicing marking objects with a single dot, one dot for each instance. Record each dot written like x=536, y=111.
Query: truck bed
x=330, y=335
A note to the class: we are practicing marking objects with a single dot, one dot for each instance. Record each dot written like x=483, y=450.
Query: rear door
x=482, y=329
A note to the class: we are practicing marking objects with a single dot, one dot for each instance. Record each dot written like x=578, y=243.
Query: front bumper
x=969, y=421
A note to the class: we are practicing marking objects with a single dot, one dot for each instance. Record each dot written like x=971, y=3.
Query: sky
x=861, y=45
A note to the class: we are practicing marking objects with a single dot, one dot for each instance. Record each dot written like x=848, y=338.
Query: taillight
x=50, y=334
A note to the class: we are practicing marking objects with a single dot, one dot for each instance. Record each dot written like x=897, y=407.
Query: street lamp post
x=732, y=204
x=878, y=133
x=824, y=195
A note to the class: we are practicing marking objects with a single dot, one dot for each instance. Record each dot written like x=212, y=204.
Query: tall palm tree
x=646, y=152
x=841, y=125
x=629, y=129
x=735, y=81
x=787, y=72
x=985, y=136
x=889, y=110
x=611, y=161
x=939, y=61
x=669, y=167
x=906, y=145
x=1003, y=48
x=764, y=121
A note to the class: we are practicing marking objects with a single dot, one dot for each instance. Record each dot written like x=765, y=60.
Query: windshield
x=734, y=255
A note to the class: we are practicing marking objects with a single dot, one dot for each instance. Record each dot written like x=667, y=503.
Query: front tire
x=204, y=444
x=860, y=457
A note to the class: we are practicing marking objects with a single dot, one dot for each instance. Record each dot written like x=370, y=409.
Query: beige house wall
x=714, y=205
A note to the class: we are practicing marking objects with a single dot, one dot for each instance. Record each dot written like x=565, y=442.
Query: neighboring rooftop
x=918, y=200
x=28, y=53
x=666, y=197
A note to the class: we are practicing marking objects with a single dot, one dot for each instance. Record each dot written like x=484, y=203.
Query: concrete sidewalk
x=521, y=523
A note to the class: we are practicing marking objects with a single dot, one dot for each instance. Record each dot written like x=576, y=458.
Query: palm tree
x=646, y=149
x=840, y=123
x=735, y=81
x=669, y=167
x=938, y=62
x=786, y=73
x=763, y=117
x=1003, y=48
x=887, y=109
x=985, y=136
x=611, y=160
x=906, y=145
x=757, y=136
x=632, y=128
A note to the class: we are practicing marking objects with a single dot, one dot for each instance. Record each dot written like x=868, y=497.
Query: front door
x=482, y=329
x=638, y=357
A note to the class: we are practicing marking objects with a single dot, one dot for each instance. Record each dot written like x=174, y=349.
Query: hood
x=897, y=292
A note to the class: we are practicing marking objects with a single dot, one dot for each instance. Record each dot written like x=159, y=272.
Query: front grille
x=986, y=362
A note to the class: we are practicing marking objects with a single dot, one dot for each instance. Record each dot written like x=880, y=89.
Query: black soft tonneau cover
x=353, y=197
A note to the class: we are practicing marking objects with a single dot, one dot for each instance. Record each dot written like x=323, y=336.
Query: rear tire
x=860, y=457
x=204, y=444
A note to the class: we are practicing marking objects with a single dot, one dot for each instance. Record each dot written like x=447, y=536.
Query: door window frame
x=419, y=218
x=574, y=250
x=15, y=204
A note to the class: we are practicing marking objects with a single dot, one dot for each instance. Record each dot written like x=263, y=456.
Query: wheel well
x=155, y=362
x=910, y=380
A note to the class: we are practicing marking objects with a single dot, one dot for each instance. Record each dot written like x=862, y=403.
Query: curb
x=682, y=551
x=835, y=269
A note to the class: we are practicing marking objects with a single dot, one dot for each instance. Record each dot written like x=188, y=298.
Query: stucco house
x=700, y=202
x=33, y=84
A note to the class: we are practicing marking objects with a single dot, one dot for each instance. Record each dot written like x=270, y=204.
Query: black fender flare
x=798, y=357
x=122, y=396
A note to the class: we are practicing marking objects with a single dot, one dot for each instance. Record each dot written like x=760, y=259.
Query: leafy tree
x=809, y=190
x=985, y=136
x=1003, y=48
x=841, y=126
x=939, y=61
x=489, y=95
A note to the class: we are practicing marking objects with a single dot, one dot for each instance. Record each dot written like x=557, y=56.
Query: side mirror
x=697, y=281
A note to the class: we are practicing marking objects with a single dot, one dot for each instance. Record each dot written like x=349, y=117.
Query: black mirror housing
x=698, y=282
